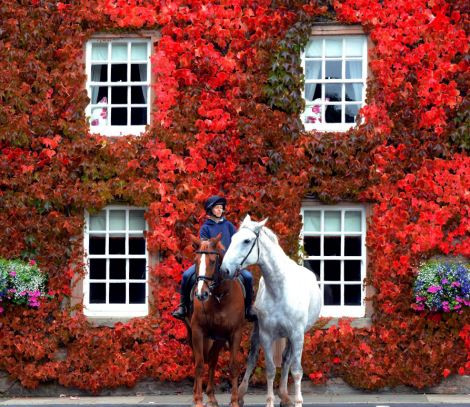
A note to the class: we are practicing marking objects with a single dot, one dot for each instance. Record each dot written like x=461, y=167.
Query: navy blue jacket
x=211, y=229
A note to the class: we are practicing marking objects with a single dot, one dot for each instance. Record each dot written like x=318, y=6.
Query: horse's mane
x=270, y=234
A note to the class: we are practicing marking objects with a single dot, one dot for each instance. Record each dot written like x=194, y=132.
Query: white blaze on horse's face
x=202, y=273
x=243, y=250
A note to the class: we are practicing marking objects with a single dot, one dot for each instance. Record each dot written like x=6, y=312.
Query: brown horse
x=217, y=318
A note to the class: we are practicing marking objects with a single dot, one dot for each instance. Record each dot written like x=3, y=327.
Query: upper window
x=118, y=85
x=335, y=69
x=333, y=239
x=116, y=282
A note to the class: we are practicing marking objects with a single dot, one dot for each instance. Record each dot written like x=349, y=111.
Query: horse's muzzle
x=203, y=297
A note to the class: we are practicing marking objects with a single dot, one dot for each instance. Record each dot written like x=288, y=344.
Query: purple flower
x=13, y=273
x=466, y=302
x=444, y=281
x=455, y=284
x=445, y=306
x=420, y=299
x=434, y=289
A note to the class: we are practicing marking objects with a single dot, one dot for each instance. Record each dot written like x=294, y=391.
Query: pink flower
x=13, y=273
x=1, y=310
x=95, y=122
x=455, y=284
x=420, y=299
x=434, y=289
x=445, y=306
x=32, y=262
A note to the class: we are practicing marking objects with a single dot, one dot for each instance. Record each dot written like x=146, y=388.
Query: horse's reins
x=205, y=279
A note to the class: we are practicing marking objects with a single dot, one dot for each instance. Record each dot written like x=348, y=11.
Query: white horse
x=287, y=305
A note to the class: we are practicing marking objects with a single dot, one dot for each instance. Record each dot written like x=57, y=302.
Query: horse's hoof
x=212, y=404
x=241, y=402
x=234, y=404
x=286, y=403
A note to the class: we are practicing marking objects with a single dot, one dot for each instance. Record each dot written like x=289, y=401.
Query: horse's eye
x=246, y=241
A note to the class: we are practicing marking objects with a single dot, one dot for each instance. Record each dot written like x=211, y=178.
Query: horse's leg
x=198, y=352
x=234, y=368
x=250, y=363
x=267, y=343
x=286, y=361
x=297, y=343
x=213, y=358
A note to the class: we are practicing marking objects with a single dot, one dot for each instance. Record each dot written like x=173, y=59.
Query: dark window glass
x=117, y=293
x=352, y=270
x=136, y=293
x=136, y=245
x=118, y=95
x=119, y=116
x=332, y=294
x=333, y=114
x=137, y=268
x=138, y=72
x=352, y=246
x=97, y=245
x=119, y=73
x=97, y=269
x=117, y=269
x=352, y=295
x=312, y=245
x=117, y=245
x=97, y=293
x=333, y=70
x=332, y=270
x=137, y=94
x=99, y=73
x=138, y=116
x=312, y=91
x=313, y=265
x=351, y=113
x=332, y=245
x=101, y=96
x=333, y=92
x=353, y=92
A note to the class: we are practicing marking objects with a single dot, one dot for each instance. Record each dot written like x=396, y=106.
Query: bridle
x=251, y=249
x=211, y=282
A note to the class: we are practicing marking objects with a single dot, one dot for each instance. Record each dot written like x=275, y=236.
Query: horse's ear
x=246, y=220
x=195, y=242
x=259, y=225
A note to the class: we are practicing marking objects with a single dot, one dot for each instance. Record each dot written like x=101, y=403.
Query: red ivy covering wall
x=214, y=132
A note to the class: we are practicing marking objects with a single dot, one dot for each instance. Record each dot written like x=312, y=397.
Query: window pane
x=332, y=221
x=118, y=116
x=354, y=47
x=99, y=52
x=353, y=92
x=97, y=269
x=136, y=293
x=98, y=221
x=97, y=293
x=352, y=294
x=139, y=94
x=312, y=91
x=333, y=114
x=332, y=294
x=352, y=221
x=332, y=245
x=333, y=47
x=312, y=245
x=119, y=73
x=136, y=245
x=333, y=92
x=313, y=265
x=312, y=221
x=117, y=220
x=138, y=52
x=313, y=113
x=97, y=245
x=99, y=116
x=118, y=52
x=117, y=244
x=333, y=70
x=352, y=270
x=117, y=293
x=353, y=69
x=99, y=73
x=117, y=269
x=313, y=70
x=119, y=95
x=332, y=270
x=99, y=94
x=137, y=269
x=138, y=116
x=351, y=113
x=352, y=246
x=136, y=220
x=314, y=48
x=138, y=72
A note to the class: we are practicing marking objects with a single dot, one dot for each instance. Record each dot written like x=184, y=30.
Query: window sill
x=118, y=131
x=329, y=128
x=364, y=322
x=108, y=321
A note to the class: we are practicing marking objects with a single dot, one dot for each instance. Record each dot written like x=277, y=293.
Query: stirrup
x=180, y=312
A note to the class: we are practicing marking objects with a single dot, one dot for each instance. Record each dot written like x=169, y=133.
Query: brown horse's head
x=208, y=261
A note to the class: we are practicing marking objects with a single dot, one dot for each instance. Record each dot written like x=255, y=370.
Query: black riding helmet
x=214, y=200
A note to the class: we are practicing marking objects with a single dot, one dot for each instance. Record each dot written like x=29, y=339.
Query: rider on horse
x=214, y=224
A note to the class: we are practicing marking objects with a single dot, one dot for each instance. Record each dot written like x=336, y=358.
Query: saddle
x=192, y=285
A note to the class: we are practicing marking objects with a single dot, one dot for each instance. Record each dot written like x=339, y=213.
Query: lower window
x=116, y=282
x=333, y=240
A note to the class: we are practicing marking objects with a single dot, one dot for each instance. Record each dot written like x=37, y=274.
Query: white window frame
x=109, y=130
x=323, y=126
x=353, y=311
x=106, y=309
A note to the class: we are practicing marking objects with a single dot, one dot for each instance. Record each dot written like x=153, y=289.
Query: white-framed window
x=116, y=258
x=335, y=71
x=118, y=85
x=333, y=239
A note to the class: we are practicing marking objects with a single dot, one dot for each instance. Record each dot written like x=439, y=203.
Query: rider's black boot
x=250, y=315
x=180, y=312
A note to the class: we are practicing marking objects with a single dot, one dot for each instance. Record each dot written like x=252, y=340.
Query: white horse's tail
x=250, y=363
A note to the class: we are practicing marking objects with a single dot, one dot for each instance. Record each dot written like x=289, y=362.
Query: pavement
x=251, y=400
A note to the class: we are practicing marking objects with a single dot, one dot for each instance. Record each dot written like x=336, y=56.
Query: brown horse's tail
x=251, y=361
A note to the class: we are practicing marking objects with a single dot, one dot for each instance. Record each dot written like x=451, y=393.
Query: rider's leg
x=248, y=283
x=185, y=291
